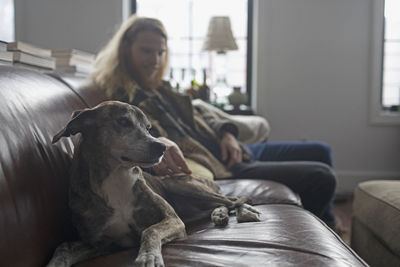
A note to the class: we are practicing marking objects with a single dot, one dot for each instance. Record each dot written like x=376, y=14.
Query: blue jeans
x=300, y=152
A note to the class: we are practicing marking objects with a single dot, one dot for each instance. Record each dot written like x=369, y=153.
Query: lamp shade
x=219, y=36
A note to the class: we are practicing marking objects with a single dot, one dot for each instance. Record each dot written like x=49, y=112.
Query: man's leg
x=297, y=151
x=313, y=181
x=292, y=151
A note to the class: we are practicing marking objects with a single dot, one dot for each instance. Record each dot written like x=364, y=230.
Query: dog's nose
x=158, y=148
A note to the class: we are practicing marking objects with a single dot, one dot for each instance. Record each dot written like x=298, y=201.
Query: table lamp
x=220, y=39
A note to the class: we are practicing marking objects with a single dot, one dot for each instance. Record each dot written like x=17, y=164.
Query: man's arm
x=172, y=161
x=228, y=133
x=231, y=150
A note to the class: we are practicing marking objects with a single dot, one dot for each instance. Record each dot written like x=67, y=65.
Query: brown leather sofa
x=34, y=215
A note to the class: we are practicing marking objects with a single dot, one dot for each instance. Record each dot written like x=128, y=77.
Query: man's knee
x=326, y=177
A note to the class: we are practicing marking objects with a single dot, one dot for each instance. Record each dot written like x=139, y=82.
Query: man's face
x=147, y=56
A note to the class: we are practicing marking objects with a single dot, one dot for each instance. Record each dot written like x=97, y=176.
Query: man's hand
x=230, y=147
x=173, y=160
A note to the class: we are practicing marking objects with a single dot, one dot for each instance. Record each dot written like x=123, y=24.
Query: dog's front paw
x=220, y=216
x=57, y=263
x=148, y=259
x=247, y=213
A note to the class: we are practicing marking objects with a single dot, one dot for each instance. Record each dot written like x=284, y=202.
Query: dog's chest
x=117, y=192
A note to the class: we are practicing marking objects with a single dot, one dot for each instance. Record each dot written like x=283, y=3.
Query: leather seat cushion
x=286, y=236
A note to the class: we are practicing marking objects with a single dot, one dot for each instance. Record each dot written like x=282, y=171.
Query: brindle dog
x=115, y=205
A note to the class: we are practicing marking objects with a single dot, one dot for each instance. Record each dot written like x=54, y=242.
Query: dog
x=115, y=205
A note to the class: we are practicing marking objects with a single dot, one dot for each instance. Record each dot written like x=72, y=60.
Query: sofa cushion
x=261, y=191
x=377, y=206
x=286, y=236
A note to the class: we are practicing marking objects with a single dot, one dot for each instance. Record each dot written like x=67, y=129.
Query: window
x=7, y=20
x=186, y=22
x=385, y=76
x=391, y=56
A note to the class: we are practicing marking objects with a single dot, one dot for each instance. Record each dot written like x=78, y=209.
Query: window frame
x=379, y=116
x=249, y=55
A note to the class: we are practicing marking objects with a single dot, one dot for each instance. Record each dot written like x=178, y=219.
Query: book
x=21, y=57
x=73, y=61
x=72, y=52
x=75, y=69
x=3, y=45
x=28, y=48
x=5, y=62
x=6, y=56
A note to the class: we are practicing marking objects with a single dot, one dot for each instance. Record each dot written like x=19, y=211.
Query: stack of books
x=26, y=55
x=73, y=61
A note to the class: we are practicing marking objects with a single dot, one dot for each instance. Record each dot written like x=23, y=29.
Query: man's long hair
x=112, y=66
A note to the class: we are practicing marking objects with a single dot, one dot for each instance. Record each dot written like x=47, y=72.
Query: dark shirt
x=180, y=127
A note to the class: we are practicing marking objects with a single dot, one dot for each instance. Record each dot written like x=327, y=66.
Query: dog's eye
x=148, y=127
x=124, y=122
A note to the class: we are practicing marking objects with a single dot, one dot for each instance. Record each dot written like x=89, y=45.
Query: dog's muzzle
x=155, y=152
x=157, y=149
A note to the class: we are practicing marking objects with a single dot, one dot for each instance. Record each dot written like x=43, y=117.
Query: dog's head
x=119, y=129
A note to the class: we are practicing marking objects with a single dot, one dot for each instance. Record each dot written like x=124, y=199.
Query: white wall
x=313, y=63
x=59, y=24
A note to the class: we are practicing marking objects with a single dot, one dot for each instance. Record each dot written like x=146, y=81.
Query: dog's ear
x=79, y=120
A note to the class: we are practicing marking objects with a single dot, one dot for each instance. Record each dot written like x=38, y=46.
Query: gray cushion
x=377, y=206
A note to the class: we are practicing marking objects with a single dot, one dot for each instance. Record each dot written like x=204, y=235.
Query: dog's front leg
x=69, y=253
x=154, y=237
x=220, y=216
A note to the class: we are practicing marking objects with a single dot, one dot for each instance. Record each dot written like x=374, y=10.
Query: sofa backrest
x=82, y=87
x=34, y=215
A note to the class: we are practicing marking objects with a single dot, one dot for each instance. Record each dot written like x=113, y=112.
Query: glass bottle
x=192, y=91
x=204, y=89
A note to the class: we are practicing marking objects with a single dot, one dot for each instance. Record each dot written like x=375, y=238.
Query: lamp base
x=221, y=91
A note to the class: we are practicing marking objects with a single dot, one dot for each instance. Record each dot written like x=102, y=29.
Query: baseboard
x=348, y=180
